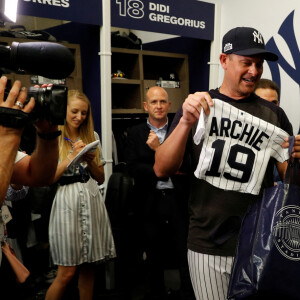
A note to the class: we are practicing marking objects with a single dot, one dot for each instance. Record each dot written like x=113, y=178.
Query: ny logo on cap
x=227, y=47
x=258, y=36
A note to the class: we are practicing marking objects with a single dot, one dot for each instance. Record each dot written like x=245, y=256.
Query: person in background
x=7, y=275
x=268, y=90
x=230, y=172
x=160, y=203
x=14, y=194
x=79, y=227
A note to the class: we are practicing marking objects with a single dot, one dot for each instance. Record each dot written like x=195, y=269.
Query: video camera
x=46, y=59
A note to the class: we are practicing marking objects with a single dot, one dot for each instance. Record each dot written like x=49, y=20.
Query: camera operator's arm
x=39, y=168
x=10, y=137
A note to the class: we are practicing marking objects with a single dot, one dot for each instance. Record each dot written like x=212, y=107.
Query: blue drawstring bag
x=267, y=261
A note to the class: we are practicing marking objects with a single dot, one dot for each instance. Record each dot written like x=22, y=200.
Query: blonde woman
x=79, y=227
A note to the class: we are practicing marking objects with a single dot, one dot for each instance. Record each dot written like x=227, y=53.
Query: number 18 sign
x=190, y=18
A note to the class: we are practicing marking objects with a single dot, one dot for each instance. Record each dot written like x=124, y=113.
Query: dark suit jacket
x=140, y=160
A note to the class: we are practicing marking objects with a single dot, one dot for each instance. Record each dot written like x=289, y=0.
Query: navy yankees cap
x=246, y=41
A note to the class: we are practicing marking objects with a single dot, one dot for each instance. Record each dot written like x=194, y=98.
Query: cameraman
x=17, y=167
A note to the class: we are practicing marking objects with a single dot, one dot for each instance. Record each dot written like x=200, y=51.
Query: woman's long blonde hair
x=86, y=129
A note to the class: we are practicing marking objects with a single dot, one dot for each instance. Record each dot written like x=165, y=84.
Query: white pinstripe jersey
x=236, y=148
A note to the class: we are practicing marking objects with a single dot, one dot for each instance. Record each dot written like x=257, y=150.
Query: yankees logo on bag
x=286, y=232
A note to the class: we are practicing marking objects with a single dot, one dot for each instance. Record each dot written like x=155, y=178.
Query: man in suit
x=160, y=202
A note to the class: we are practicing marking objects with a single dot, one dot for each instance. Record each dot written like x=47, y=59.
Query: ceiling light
x=8, y=10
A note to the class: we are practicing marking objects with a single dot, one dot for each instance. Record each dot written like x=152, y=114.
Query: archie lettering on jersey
x=236, y=148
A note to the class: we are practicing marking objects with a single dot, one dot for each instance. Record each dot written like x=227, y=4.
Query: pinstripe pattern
x=226, y=148
x=210, y=275
x=79, y=227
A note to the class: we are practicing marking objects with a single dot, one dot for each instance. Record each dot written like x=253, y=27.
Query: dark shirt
x=215, y=214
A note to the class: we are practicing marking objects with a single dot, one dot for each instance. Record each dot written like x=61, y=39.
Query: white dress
x=79, y=226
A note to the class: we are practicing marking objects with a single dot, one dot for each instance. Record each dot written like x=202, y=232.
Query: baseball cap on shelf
x=246, y=41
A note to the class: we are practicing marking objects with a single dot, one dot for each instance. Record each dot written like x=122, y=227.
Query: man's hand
x=153, y=141
x=16, y=97
x=296, y=148
x=192, y=106
x=15, y=100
